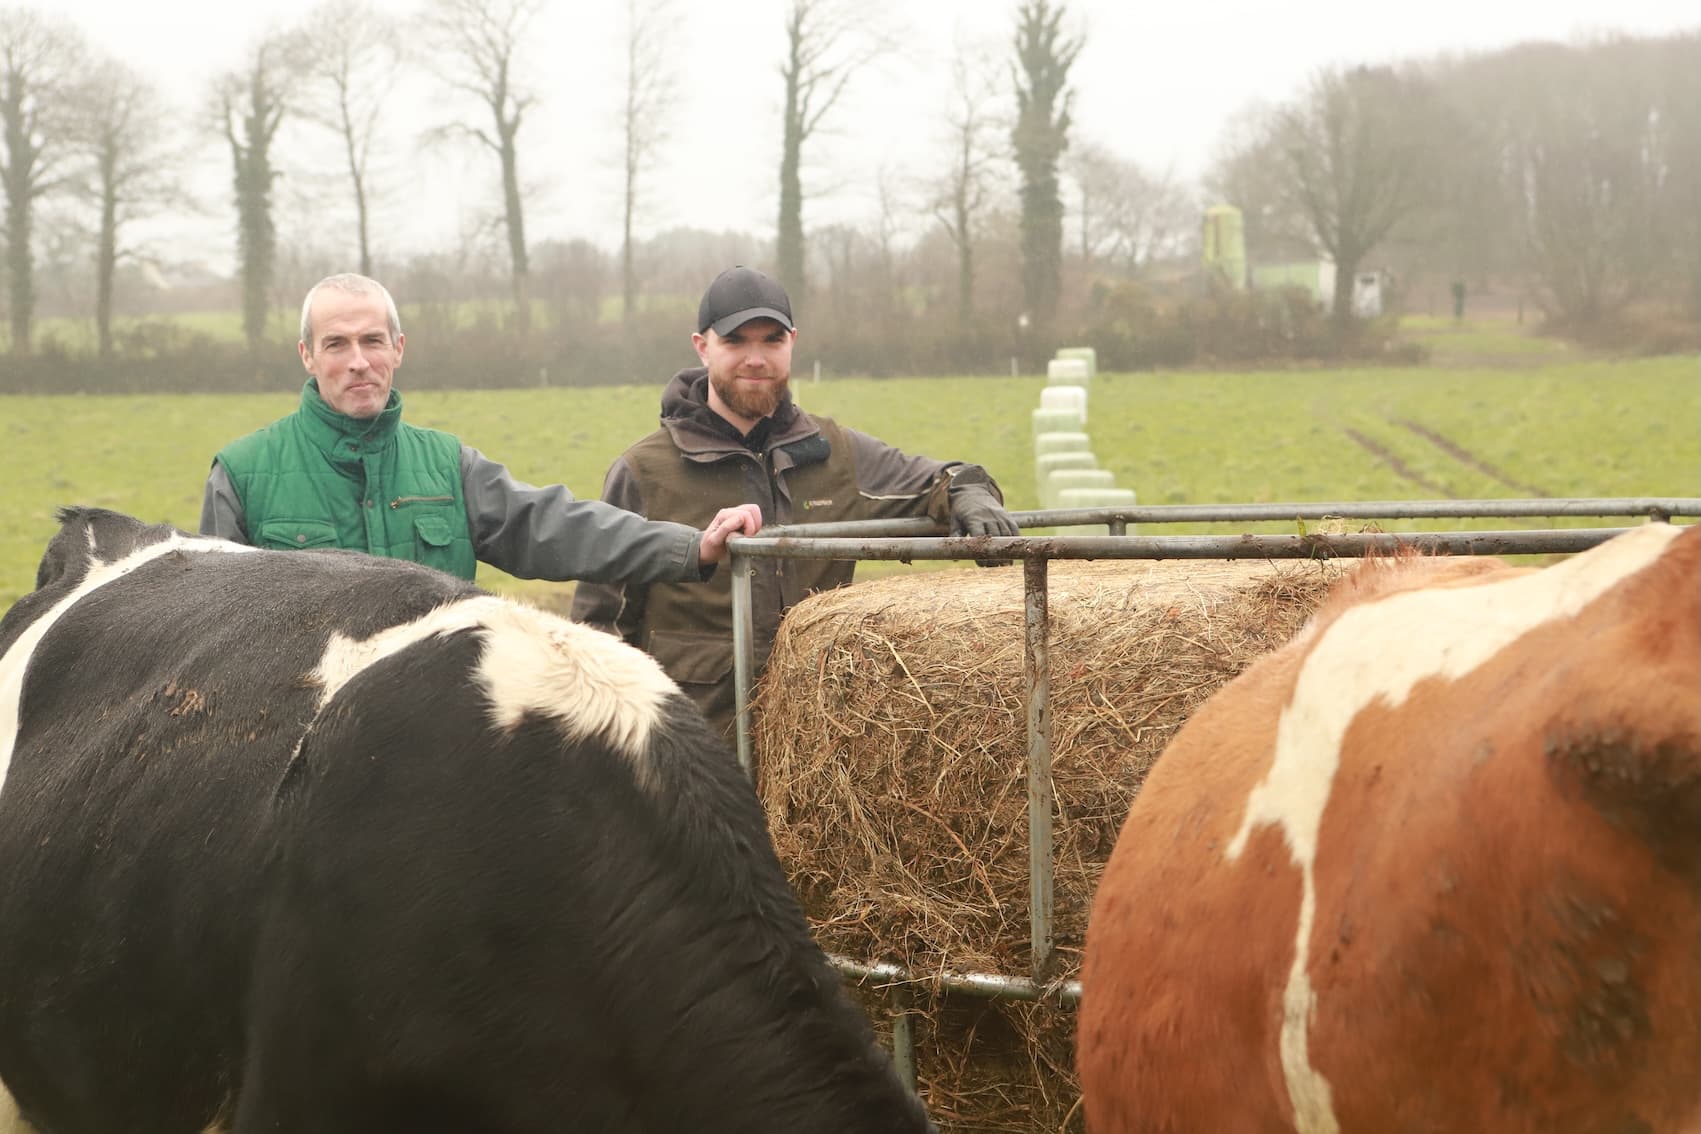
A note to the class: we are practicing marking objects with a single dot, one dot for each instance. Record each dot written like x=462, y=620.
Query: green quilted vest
x=319, y=478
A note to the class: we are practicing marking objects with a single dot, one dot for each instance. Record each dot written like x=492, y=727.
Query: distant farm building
x=1225, y=263
x=1317, y=277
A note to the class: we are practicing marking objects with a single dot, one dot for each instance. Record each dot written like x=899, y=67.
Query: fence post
x=1037, y=667
x=903, y=1034
x=743, y=652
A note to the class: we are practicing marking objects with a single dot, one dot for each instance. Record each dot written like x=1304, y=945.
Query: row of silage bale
x=1065, y=470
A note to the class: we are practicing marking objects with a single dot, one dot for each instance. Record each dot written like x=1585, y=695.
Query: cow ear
x=51, y=568
x=64, y=553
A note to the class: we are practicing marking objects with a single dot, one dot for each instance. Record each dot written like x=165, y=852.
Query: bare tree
x=1044, y=55
x=1352, y=152
x=250, y=106
x=479, y=43
x=1471, y=232
x=351, y=53
x=570, y=275
x=134, y=170
x=827, y=43
x=40, y=61
x=1677, y=133
x=972, y=128
x=1127, y=216
x=1246, y=172
x=650, y=94
x=892, y=192
x=1572, y=167
x=1096, y=173
x=847, y=254
x=1602, y=159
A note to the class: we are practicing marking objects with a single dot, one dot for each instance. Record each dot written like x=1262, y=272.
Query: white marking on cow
x=533, y=662
x=15, y=664
x=1380, y=651
x=11, y=1122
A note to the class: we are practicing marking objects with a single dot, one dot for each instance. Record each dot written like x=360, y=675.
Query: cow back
x=317, y=841
x=152, y=725
x=1433, y=866
x=606, y=909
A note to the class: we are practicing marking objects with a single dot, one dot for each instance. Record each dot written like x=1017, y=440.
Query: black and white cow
x=322, y=842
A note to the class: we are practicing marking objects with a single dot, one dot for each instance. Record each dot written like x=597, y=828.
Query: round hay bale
x=890, y=730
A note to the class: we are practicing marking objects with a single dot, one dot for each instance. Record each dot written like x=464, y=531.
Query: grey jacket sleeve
x=221, y=511
x=893, y=483
x=545, y=533
x=615, y=608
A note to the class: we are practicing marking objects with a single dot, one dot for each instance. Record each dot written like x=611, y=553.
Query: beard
x=752, y=400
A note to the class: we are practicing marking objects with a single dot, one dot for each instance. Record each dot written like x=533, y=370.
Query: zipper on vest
x=400, y=500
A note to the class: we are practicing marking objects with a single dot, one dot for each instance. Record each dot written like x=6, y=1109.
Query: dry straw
x=890, y=730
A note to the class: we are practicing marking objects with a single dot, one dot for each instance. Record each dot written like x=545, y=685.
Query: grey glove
x=975, y=511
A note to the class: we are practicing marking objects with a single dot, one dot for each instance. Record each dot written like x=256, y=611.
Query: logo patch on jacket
x=817, y=503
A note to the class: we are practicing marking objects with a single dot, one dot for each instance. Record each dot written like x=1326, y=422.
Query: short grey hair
x=353, y=284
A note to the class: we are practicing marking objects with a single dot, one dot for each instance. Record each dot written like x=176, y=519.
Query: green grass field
x=1597, y=428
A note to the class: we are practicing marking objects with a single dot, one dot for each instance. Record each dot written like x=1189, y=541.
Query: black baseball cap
x=739, y=295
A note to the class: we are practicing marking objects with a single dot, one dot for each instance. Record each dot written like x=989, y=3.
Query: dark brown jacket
x=797, y=468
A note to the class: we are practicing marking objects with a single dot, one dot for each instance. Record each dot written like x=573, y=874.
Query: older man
x=345, y=471
x=731, y=433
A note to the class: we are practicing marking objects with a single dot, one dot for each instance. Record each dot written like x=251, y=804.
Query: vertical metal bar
x=903, y=1035
x=743, y=651
x=1118, y=526
x=1037, y=676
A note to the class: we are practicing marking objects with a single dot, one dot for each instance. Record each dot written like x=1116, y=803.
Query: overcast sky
x=1155, y=84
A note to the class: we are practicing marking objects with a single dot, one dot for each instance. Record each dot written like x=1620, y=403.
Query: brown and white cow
x=1433, y=866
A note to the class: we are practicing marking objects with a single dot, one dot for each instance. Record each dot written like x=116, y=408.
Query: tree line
x=1565, y=173
x=1572, y=169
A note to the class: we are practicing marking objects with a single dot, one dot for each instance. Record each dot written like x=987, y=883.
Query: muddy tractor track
x=1447, y=445
x=1465, y=456
x=1400, y=467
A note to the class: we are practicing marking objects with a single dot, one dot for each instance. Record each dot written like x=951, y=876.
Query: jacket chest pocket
x=825, y=507
x=817, y=497
x=295, y=535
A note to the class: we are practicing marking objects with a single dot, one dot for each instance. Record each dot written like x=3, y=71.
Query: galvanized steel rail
x=975, y=984
x=912, y=539
x=1652, y=507
x=1311, y=546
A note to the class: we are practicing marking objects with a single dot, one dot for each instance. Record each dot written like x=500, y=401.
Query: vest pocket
x=433, y=541
x=295, y=535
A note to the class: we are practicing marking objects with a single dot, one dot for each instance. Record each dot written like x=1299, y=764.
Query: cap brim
x=738, y=318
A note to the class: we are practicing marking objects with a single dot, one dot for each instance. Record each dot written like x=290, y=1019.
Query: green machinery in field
x=1222, y=244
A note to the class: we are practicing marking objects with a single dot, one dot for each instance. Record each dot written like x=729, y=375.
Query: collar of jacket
x=345, y=438
x=704, y=435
